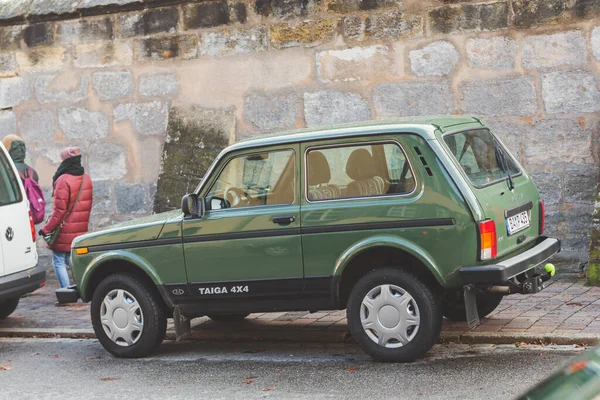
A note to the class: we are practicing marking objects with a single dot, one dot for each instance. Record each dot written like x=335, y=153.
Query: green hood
x=17, y=151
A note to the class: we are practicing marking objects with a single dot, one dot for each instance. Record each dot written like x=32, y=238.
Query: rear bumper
x=67, y=295
x=23, y=282
x=505, y=270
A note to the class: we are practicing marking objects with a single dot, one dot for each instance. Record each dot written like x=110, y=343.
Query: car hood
x=135, y=230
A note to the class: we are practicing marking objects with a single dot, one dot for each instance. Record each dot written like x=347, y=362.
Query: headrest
x=360, y=165
x=318, y=169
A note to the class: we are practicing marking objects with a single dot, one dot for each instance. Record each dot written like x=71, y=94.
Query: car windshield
x=481, y=156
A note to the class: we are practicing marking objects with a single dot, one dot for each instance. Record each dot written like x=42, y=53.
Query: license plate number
x=517, y=222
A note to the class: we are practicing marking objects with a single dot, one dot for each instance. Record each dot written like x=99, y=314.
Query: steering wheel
x=234, y=195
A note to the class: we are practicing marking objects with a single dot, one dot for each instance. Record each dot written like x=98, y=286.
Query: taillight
x=542, y=217
x=487, y=240
x=32, y=226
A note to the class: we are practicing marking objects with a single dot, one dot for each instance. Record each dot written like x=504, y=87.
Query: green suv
x=400, y=223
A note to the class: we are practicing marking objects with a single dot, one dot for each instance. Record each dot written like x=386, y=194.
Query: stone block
x=205, y=15
x=269, y=111
x=355, y=63
x=41, y=34
x=86, y=4
x=384, y=25
x=13, y=8
x=580, y=183
x=550, y=186
x=43, y=58
x=503, y=96
x=50, y=7
x=86, y=30
x=285, y=8
x=8, y=123
x=107, y=162
x=165, y=48
x=435, y=59
x=103, y=198
x=13, y=91
x=130, y=198
x=37, y=126
x=595, y=41
x=496, y=53
x=238, y=12
x=527, y=13
x=103, y=54
x=150, y=22
x=558, y=141
x=468, y=17
x=330, y=107
x=147, y=118
x=60, y=88
x=8, y=65
x=233, y=41
x=111, y=85
x=307, y=33
x=567, y=48
x=79, y=123
x=158, y=84
x=412, y=98
x=570, y=92
x=10, y=37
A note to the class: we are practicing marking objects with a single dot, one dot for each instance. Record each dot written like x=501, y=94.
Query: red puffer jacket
x=65, y=192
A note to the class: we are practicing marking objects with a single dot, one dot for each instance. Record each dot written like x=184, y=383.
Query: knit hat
x=8, y=140
x=70, y=152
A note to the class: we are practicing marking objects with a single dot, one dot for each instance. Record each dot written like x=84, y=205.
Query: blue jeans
x=60, y=261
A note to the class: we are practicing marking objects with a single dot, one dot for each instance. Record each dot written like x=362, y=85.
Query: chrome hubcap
x=390, y=316
x=121, y=317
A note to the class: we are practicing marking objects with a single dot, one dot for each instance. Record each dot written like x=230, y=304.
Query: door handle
x=284, y=220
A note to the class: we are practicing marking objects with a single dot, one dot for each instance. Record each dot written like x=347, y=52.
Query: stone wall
x=152, y=90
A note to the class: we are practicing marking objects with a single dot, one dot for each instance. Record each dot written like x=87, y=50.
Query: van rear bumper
x=503, y=271
x=23, y=282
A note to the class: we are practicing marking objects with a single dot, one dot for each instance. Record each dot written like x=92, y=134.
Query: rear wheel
x=393, y=315
x=454, y=305
x=228, y=317
x=128, y=316
x=8, y=306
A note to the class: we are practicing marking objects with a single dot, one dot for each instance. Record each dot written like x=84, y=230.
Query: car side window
x=256, y=179
x=9, y=188
x=364, y=170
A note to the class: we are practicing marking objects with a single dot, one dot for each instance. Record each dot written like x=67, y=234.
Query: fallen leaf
x=574, y=303
x=56, y=356
x=248, y=381
x=519, y=344
x=351, y=369
x=268, y=389
x=5, y=367
x=109, y=379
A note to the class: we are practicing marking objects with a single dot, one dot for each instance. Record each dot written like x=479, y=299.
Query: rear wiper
x=503, y=164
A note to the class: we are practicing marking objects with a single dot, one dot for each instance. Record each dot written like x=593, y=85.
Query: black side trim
x=518, y=209
x=199, y=308
x=134, y=245
x=20, y=283
x=317, y=284
x=416, y=223
x=247, y=288
x=243, y=235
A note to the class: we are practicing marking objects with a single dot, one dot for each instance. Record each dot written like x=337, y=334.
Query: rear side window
x=481, y=156
x=365, y=170
x=9, y=187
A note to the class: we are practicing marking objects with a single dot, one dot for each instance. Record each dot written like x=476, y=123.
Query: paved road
x=55, y=368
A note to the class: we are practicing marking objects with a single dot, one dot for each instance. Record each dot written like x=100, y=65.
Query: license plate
x=517, y=222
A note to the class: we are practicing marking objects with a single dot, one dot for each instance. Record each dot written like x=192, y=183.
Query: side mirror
x=192, y=205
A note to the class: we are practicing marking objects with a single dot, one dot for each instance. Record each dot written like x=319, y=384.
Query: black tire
x=428, y=303
x=228, y=317
x=152, y=308
x=8, y=306
x=454, y=305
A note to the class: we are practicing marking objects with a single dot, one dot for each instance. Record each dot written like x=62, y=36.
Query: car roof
x=424, y=126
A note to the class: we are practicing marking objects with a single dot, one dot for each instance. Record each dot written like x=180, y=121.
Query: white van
x=19, y=273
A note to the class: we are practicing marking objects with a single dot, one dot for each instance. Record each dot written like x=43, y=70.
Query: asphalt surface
x=80, y=368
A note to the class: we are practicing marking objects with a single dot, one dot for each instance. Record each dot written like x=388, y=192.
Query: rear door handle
x=284, y=220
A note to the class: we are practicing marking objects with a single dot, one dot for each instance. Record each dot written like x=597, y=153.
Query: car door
x=248, y=243
x=17, y=247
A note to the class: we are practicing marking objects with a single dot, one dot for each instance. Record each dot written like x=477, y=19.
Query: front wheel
x=393, y=315
x=8, y=306
x=128, y=316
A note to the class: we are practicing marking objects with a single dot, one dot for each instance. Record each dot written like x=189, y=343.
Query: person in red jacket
x=66, y=184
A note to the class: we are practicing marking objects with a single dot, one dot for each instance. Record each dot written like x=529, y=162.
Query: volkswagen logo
x=10, y=234
x=178, y=292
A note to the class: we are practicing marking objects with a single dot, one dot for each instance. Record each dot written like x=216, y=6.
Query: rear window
x=9, y=187
x=484, y=160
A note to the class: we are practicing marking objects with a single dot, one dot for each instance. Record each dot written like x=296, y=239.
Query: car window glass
x=9, y=188
x=358, y=171
x=255, y=180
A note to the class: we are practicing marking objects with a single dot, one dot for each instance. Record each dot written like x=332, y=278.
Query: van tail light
x=487, y=240
x=32, y=226
x=542, y=217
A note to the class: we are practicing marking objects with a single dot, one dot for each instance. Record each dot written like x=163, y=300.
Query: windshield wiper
x=503, y=164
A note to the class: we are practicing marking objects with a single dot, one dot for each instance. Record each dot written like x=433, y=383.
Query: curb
x=334, y=336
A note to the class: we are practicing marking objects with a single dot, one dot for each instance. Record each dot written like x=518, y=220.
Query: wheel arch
x=377, y=252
